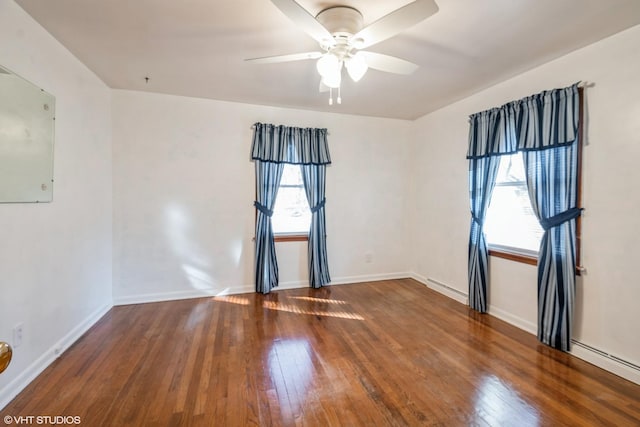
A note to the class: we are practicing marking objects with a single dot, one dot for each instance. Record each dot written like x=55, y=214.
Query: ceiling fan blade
x=305, y=21
x=395, y=22
x=387, y=63
x=285, y=58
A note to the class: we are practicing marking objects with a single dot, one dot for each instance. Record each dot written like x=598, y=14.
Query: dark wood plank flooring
x=373, y=354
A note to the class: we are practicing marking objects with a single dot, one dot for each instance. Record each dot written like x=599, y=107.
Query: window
x=510, y=225
x=511, y=228
x=291, y=213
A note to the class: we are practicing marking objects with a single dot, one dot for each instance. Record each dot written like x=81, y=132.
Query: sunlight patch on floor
x=233, y=299
x=328, y=301
x=290, y=308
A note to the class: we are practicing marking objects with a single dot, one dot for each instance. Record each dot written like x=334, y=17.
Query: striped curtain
x=552, y=181
x=284, y=144
x=272, y=147
x=482, y=179
x=544, y=127
x=552, y=184
x=314, y=185
x=268, y=175
x=546, y=120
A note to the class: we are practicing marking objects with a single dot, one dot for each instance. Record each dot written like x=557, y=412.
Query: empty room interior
x=279, y=212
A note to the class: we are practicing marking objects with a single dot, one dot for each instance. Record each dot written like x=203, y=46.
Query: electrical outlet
x=368, y=257
x=17, y=335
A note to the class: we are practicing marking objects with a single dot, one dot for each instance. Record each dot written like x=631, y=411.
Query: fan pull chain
x=339, y=96
x=330, y=96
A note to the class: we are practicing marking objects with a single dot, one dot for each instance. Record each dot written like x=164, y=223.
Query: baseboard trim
x=597, y=357
x=516, y=321
x=179, y=295
x=601, y=359
x=442, y=288
x=12, y=389
x=347, y=280
x=234, y=290
x=463, y=298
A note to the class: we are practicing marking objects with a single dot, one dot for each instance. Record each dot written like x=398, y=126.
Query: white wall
x=184, y=190
x=608, y=295
x=55, y=258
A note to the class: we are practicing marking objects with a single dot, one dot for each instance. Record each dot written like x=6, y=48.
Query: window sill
x=525, y=259
x=290, y=238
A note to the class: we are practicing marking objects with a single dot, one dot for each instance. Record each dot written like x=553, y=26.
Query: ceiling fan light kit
x=341, y=34
x=356, y=66
x=329, y=67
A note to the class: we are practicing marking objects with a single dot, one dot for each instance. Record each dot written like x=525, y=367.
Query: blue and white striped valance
x=548, y=119
x=284, y=144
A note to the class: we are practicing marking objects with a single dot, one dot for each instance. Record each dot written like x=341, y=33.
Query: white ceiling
x=197, y=47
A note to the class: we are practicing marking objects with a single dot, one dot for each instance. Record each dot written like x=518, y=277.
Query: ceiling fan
x=341, y=34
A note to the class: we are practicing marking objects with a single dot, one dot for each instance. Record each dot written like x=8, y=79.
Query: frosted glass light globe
x=356, y=67
x=327, y=64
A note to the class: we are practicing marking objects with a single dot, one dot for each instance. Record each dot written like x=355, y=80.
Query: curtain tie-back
x=477, y=220
x=262, y=208
x=319, y=206
x=561, y=218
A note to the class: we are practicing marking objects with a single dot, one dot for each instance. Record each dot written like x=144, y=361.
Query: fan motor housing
x=341, y=21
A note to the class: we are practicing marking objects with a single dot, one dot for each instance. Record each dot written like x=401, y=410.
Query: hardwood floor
x=373, y=354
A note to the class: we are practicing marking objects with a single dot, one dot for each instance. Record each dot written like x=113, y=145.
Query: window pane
x=291, y=175
x=510, y=219
x=291, y=212
x=511, y=169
